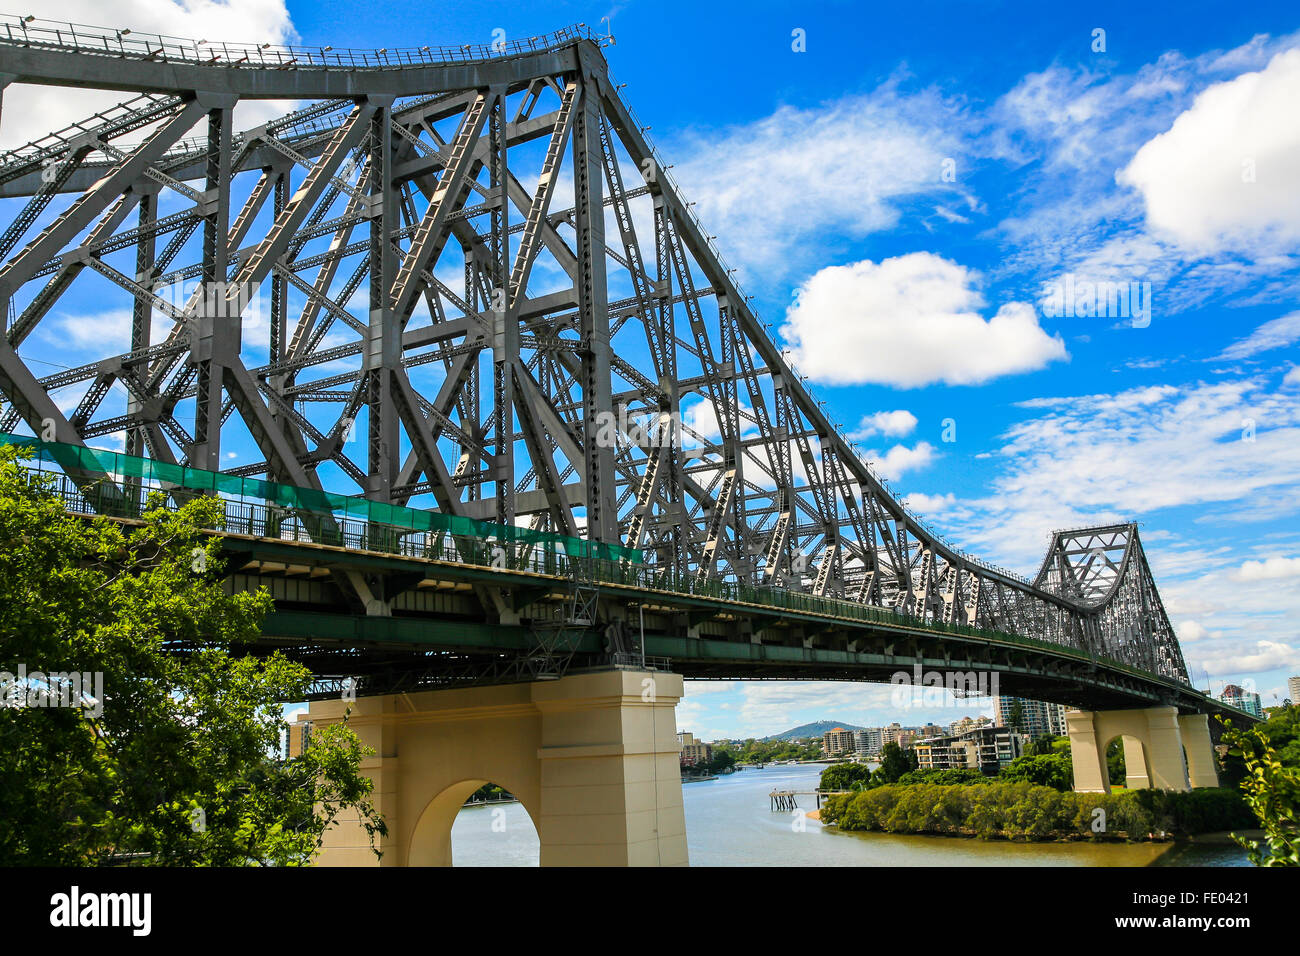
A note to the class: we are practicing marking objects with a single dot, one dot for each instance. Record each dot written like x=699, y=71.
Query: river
x=728, y=823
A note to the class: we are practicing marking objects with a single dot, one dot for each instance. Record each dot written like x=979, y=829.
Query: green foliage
x=1272, y=790
x=944, y=778
x=760, y=751
x=1115, y=763
x=1016, y=717
x=1202, y=810
x=180, y=767
x=894, y=762
x=720, y=760
x=1045, y=744
x=489, y=791
x=1281, y=730
x=1053, y=770
x=845, y=776
x=1025, y=811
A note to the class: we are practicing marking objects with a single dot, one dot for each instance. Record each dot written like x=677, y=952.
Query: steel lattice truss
x=478, y=291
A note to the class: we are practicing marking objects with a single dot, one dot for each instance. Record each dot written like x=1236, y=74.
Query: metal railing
x=268, y=520
x=106, y=41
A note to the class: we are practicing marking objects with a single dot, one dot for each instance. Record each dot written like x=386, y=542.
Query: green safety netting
x=78, y=458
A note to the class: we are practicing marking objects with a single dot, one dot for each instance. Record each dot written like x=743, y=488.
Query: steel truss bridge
x=461, y=281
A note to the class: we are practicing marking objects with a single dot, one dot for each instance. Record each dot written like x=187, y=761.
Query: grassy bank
x=1025, y=811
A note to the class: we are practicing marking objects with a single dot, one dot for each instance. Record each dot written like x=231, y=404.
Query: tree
x=1273, y=793
x=845, y=776
x=894, y=762
x=170, y=755
x=1042, y=744
x=1016, y=716
x=949, y=777
x=1282, y=731
x=1048, y=770
x=1115, y=768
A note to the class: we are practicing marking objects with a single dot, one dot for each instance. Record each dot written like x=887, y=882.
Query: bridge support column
x=1136, y=775
x=1153, y=748
x=1201, y=770
x=1088, y=757
x=592, y=758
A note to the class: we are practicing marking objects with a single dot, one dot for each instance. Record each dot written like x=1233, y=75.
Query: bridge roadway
x=436, y=633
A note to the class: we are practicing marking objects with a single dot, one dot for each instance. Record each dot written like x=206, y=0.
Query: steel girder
x=437, y=227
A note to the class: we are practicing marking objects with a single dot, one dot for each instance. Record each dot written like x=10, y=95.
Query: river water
x=729, y=823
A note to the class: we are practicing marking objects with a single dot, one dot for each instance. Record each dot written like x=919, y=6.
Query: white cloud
x=1109, y=457
x=893, y=424
x=1263, y=656
x=845, y=168
x=1268, y=569
x=909, y=321
x=900, y=459
x=1224, y=176
x=930, y=505
x=1292, y=378
x=1271, y=335
x=103, y=332
x=1071, y=130
x=31, y=112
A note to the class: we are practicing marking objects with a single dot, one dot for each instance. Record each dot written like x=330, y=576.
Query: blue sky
x=899, y=197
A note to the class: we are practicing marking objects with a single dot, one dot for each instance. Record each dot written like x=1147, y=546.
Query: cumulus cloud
x=1263, y=656
x=31, y=112
x=893, y=424
x=900, y=459
x=1268, y=569
x=909, y=321
x=930, y=505
x=1224, y=176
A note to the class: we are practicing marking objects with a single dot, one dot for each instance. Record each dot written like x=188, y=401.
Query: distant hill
x=815, y=729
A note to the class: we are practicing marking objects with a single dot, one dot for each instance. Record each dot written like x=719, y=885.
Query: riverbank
x=1024, y=812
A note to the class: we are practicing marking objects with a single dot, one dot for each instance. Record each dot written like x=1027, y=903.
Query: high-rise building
x=692, y=751
x=1235, y=696
x=1293, y=689
x=985, y=748
x=297, y=735
x=959, y=727
x=1036, y=717
x=837, y=741
x=868, y=741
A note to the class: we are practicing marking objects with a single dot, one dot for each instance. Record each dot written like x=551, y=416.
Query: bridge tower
x=592, y=757
x=1162, y=748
